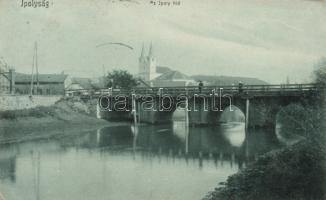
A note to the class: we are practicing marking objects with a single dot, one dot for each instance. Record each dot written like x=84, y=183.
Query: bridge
x=259, y=103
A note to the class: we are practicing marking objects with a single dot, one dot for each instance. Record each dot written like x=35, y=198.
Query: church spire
x=142, y=51
x=150, y=53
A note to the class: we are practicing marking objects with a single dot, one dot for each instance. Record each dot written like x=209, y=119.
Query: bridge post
x=187, y=127
x=246, y=128
x=12, y=80
x=134, y=107
x=247, y=114
x=98, y=110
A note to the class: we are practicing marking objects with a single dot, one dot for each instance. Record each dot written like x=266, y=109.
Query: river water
x=170, y=162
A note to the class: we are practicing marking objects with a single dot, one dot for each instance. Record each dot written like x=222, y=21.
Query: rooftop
x=45, y=78
x=162, y=69
x=173, y=75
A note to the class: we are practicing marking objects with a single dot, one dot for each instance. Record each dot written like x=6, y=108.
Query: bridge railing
x=190, y=90
x=230, y=89
x=287, y=88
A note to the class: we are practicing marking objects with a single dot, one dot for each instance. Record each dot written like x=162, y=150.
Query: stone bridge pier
x=154, y=110
x=114, y=109
x=207, y=110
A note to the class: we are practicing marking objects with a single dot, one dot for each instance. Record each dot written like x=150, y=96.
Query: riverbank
x=44, y=122
x=293, y=173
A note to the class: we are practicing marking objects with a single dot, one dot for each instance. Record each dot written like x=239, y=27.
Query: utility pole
x=32, y=78
x=36, y=65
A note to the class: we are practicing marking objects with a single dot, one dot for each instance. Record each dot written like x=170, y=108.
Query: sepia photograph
x=163, y=100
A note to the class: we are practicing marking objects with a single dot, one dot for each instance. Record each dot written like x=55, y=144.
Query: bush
x=11, y=115
x=296, y=172
x=37, y=112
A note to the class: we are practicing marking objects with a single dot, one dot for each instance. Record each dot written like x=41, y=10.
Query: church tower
x=147, y=64
x=141, y=64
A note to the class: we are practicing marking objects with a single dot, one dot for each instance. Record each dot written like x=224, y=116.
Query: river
x=170, y=162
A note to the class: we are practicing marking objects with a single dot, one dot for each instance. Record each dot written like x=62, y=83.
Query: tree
x=308, y=120
x=299, y=120
x=320, y=71
x=320, y=77
x=121, y=79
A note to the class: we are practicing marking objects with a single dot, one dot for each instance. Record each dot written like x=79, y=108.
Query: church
x=147, y=65
x=159, y=76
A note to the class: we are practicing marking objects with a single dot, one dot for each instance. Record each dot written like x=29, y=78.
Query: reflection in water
x=36, y=173
x=129, y=162
x=8, y=168
x=234, y=133
x=285, y=137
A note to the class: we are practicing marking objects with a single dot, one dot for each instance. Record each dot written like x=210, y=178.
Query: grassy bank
x=293, y=173
x=64, y=117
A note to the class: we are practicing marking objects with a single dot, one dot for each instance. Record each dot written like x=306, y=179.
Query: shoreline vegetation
x=65, y=116
x=295, y=172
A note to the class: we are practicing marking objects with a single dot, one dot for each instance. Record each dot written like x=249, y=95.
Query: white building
x=148, y=69
x=156, y=75
x=173, y=79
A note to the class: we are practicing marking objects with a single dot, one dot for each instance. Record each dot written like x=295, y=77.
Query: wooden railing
x=286, y=89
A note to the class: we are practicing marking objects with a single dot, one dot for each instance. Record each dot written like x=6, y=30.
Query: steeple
x=150, y=53
x=147, y=64
x=142, y=52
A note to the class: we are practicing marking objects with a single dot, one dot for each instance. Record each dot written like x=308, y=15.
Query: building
x=162, y=69
x=76, y=83
x=7, y=80
x=148, y=69
x=84, y=86
x=43, y=84
x=4, y=83
x=147, y=65
x=78, y=86
x=173, y=79
x=160, y=76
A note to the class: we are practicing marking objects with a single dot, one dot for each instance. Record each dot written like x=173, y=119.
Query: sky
x=265, y=39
